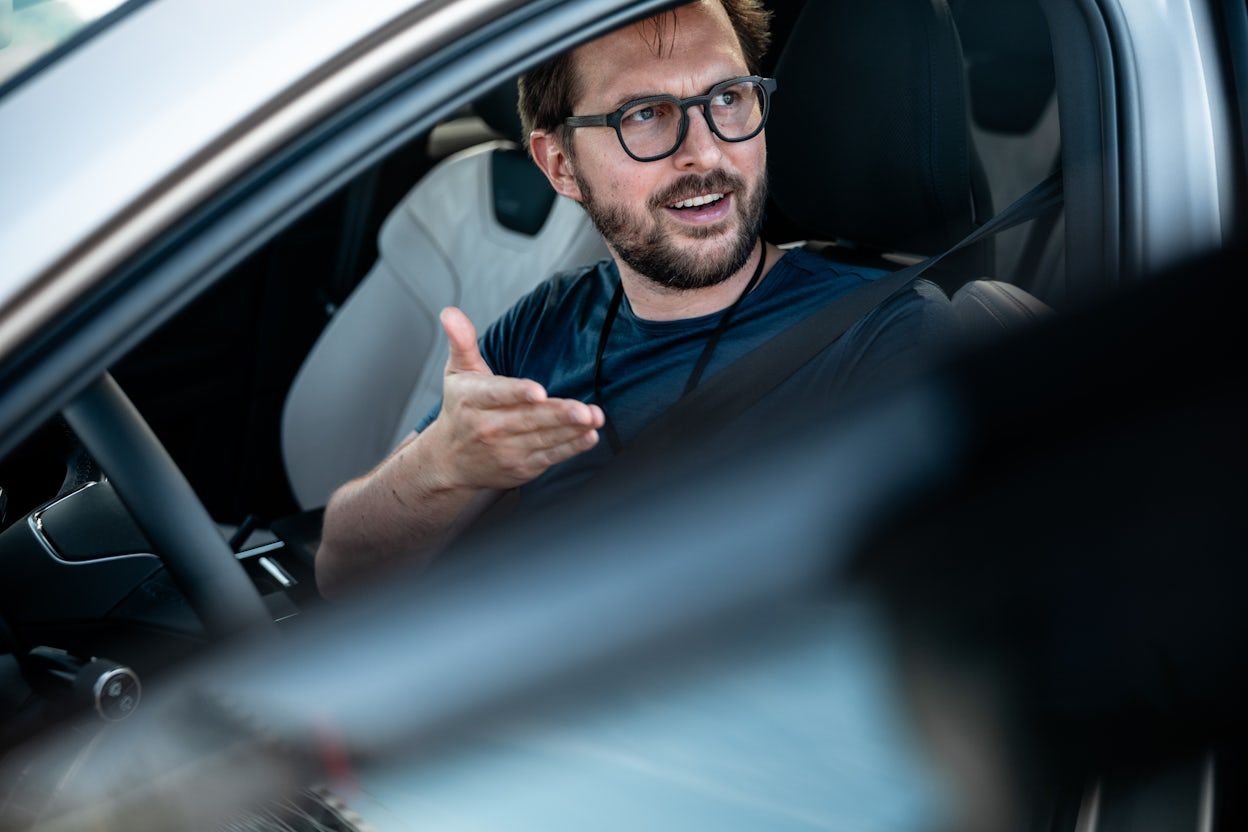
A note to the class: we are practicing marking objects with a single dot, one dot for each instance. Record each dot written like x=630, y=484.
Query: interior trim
x=1207, y=809
x=1129, y=155
x=1087, y=103
x=1089, y=809
x=35, y=521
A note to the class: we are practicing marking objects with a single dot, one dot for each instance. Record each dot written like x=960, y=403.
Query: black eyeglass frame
x=613, y=119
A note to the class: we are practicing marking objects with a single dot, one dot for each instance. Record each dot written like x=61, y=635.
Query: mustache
x=693, y=184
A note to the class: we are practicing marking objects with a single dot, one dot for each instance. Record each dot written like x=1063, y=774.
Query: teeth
x=694, y=202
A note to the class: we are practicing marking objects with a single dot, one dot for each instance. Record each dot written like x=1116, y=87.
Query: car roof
x=92, y=135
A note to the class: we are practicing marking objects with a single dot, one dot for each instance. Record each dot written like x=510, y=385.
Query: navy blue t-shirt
x=551, y=336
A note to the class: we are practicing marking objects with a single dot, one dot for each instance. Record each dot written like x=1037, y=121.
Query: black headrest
x=869, y=138
x=522, y=196
x=499, y=108
x=1009, y=62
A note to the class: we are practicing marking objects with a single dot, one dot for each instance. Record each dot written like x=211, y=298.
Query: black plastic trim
x=1129, y=128
x=41, y=588
x=1232, y=17
x=90, y=524
x=1087, y=103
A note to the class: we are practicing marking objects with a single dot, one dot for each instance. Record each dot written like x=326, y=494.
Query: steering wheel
x=165, y=507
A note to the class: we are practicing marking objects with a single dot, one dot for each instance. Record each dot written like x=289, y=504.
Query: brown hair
x=548, y=91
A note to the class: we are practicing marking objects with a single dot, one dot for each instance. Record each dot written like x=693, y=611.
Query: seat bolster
x=990, y=307
x=353, y=387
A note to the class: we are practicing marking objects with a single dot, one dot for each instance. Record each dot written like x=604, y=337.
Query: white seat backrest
x=376, y=370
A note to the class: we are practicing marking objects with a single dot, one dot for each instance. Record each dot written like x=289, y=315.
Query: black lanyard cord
x=613, y=438
x=604, y=334
x=711, y=343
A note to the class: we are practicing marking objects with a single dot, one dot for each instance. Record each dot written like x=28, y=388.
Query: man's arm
x=401, y=507
x=493, y=433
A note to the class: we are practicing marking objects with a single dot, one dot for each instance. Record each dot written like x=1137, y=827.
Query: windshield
x=31, y=31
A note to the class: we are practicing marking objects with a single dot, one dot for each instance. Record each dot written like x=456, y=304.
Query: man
x=677, y=188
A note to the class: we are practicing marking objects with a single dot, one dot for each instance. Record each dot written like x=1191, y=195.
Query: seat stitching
x=988, y=307
x=1019, y=305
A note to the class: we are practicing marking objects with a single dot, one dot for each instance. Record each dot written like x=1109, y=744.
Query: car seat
x=478, y=231
x=1012, y=83
x=871, y=149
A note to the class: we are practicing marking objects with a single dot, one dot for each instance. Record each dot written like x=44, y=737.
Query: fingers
x=526, y=427
x=546, y=457
x=543, y=439
x=490, y=391
x=545, y=446
x=464, y=356
x=524, y=402
x=519, y=436
x=502, y=432
x=547, y=415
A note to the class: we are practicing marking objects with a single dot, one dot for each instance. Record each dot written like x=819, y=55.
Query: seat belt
x=737, y=387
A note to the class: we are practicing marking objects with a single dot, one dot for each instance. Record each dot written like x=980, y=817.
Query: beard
x=654, y=253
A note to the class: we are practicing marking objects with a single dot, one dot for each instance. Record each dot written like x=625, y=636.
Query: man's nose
x=700, y=149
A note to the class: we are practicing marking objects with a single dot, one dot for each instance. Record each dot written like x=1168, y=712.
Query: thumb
x=462, y=337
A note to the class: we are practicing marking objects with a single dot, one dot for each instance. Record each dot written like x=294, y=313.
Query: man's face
x=631, y=202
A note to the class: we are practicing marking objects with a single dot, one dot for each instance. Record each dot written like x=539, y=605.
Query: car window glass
x=31, y=30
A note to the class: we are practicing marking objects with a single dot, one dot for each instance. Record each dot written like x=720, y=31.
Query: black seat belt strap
x=734, y=389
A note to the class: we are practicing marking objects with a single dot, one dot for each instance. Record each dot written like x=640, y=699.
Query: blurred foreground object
x=1069, y=606
x=1053, y=529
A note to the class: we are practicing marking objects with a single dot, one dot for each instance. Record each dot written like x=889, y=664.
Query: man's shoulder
x=585, y=285
x=824, y=273
x=918, y=314
x=584, y=281
x=839, y=276
x=899, y=335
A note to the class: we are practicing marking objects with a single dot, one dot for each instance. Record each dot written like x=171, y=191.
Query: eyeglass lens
x=653, y=128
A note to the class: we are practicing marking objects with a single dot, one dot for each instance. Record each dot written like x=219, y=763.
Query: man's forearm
x=403, y=507
x=492, y=433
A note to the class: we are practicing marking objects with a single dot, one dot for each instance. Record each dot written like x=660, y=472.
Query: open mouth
x=702, y=208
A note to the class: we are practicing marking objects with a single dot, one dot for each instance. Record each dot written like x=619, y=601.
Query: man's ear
x=555, y=162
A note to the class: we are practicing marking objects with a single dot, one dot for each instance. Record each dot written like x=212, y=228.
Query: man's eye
x=642, y=115
x=728, y=98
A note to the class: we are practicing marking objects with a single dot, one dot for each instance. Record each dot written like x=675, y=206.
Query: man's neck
x=652, y=302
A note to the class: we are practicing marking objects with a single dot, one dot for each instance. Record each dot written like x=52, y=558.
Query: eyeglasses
x=653, y=127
